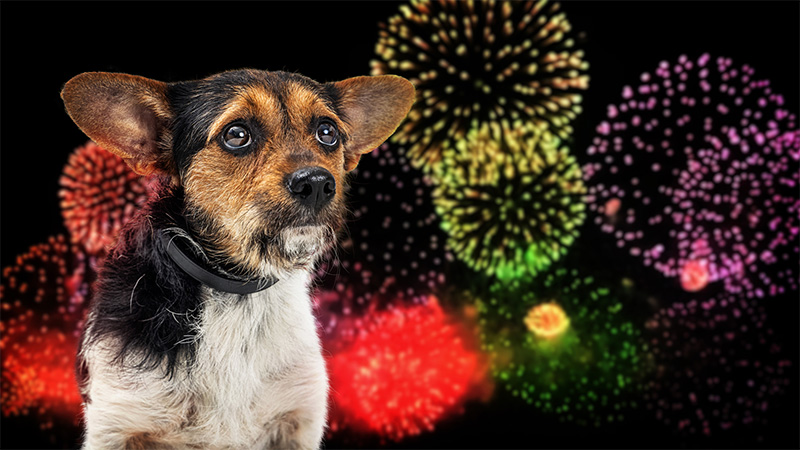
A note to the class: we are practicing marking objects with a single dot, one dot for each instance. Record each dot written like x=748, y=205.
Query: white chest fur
x=258, y=380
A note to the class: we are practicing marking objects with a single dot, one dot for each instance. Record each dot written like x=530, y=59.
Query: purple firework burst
x=697, y=167
x=393, y=251
x=719, y=367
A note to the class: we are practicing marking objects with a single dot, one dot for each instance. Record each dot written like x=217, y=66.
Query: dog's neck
x=185, y=256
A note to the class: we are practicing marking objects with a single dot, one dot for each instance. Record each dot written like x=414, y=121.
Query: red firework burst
x=99, y=193
x=42, y=298
x=408, y=369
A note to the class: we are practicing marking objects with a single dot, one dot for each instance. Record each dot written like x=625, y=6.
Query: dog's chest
x=252, y=357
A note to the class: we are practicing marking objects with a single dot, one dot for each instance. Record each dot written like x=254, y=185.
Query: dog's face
x=262, y=156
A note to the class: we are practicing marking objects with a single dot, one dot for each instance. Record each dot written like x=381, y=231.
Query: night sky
x=45, y=44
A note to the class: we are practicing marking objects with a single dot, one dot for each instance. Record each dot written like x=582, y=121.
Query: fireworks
x=42, y=299
x=565, y=346
x=99, y=193
x=408, y=369
x=719, y=367
x=473, y=63
x=512, y=206
x=696, y=170
x=393, y=250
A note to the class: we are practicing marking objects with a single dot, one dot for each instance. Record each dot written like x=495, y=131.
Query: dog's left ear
x=373, y=107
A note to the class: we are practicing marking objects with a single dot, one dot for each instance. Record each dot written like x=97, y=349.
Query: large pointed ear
x=373, y=107
x=125, y=114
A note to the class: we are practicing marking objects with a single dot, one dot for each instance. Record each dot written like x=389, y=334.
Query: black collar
x=215, y=281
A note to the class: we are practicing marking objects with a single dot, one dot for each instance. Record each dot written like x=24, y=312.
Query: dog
x=201, y=332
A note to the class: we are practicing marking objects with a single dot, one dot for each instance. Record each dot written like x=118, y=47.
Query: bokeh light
x=513, y=206
x=489, y=62
x=407, y=369
x=699, y=162
x=591, y=372
x=720, y=368
x=99, y=193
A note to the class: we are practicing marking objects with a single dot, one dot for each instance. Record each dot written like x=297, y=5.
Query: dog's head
x=261, y=156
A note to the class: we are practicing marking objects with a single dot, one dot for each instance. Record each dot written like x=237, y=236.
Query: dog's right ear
x=125, y=114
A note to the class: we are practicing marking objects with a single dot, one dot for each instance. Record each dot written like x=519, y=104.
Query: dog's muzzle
x=312, y=187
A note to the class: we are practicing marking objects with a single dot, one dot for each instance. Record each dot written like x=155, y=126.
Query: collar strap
x=201, y=274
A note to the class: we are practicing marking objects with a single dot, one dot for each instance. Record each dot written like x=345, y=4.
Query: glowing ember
x=547, y=320
x=702, y=157
x=408, y=369
x=99, y=193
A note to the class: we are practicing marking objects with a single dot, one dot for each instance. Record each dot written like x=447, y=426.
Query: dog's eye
x=236, y=137
x=327, y=134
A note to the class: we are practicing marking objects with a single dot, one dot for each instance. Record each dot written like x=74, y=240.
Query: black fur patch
x=143, y=299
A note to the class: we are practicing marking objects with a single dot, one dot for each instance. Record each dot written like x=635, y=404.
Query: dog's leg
x=303, y=427
x=100, y=436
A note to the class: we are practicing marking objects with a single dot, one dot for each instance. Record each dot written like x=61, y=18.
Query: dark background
x=44, y=44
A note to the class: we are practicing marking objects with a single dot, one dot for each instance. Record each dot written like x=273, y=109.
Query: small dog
x=201, y=333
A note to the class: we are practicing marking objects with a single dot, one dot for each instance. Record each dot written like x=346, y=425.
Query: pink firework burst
x=42, y=298
x=697, y=168
x=719, y=367
x=99, y=193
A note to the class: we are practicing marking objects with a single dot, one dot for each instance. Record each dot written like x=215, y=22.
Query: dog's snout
x=313, y=187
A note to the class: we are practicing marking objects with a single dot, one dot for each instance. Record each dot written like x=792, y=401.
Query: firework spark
x=589, y=365
x=512, y=206
x=99, y=193
x=473, y=63
x=405, y=371
x=700, y=162
x=719, y=367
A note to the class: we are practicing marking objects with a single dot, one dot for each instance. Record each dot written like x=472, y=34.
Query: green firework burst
x=476, y=62
x=511, y=206
x=591, y=373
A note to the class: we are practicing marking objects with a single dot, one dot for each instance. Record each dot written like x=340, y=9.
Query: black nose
x=313, y=187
